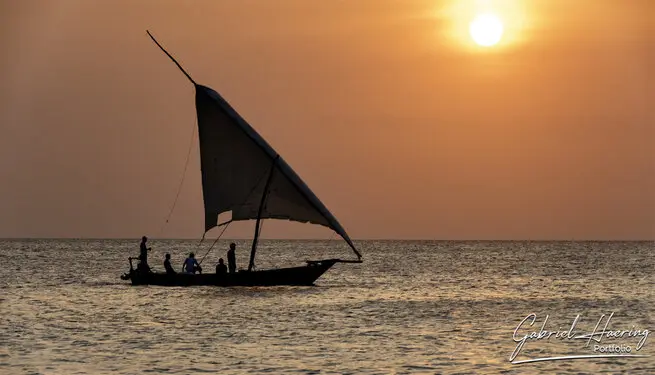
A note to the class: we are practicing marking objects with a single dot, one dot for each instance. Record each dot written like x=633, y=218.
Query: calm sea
x=411, y=307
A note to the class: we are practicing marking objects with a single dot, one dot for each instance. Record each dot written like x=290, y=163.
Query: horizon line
x=332, y=239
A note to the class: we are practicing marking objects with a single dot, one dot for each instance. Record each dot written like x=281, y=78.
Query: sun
x=486, y=29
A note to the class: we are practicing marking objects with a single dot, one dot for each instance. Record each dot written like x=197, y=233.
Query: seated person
x=191, y=265
x=221, y=268
x=167, y=265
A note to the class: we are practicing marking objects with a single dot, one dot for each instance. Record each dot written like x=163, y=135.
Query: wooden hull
x=305, y=275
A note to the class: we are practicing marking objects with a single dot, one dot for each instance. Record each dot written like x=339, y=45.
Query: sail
x=236, y=163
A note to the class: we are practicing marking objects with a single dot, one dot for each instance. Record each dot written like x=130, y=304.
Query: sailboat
x=242, y=174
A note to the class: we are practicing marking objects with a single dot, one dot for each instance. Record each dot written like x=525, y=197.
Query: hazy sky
x=385, y=108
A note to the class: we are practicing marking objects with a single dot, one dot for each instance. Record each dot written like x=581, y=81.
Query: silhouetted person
x=167, y=265
x=231, y=258
x=143, y=256
x=191, y=265
x=143, y=267
x=221, y=268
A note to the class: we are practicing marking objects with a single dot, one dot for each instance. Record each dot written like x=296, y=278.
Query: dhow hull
x=305, y=275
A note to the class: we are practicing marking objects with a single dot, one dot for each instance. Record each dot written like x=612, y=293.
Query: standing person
x=231, y=258
x=143, y=267
x=143, y=256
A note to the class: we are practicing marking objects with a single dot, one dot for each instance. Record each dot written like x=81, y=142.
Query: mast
x=259, y=215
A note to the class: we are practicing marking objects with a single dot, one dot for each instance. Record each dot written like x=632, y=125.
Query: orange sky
x=384, y=108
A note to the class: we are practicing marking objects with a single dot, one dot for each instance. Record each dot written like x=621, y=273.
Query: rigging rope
x=227, y=223
x=331, y=237
x=216, y=240
x=179, y=187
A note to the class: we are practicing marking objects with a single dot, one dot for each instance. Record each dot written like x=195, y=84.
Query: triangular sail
x=235, y=163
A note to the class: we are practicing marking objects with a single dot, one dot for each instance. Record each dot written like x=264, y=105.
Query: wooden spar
x=171, y=57
x=259, y=215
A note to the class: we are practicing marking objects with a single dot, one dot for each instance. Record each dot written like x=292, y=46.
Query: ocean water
x=411, y=307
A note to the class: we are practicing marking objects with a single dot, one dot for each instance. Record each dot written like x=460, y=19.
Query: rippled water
x=411, y=307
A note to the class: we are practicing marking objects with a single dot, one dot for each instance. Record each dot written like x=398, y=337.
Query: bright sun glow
x=486, y=30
